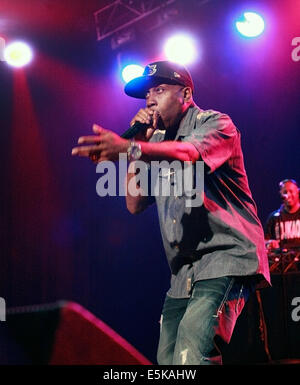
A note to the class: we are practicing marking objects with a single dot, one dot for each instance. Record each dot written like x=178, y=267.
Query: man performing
x=216, y=251
x=282, y=230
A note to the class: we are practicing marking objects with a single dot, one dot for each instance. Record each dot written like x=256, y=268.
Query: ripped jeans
x=189, y=326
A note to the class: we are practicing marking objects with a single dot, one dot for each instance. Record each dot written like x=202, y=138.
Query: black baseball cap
x=160, y=72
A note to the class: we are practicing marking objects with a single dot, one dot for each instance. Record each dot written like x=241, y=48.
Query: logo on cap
x=176, y=75
x=152, y=69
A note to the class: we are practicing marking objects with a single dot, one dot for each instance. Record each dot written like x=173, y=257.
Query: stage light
x=132, y=71
x=180, y=49
x=251, y=24
x=18, y=54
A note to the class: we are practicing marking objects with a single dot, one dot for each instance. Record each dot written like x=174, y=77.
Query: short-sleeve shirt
x=284, y=226
x=223, y=236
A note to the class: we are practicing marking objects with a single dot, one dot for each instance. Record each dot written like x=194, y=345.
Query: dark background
x=59, y=240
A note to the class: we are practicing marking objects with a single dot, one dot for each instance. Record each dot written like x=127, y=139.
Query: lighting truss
x=119, y=15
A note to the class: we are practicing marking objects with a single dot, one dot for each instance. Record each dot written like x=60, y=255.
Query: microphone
x=134, y=129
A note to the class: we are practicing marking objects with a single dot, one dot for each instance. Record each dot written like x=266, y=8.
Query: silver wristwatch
x=134, y=151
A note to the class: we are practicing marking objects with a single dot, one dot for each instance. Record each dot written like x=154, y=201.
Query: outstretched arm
x=106, y=145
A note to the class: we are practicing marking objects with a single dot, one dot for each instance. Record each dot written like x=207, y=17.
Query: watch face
x=136, y=152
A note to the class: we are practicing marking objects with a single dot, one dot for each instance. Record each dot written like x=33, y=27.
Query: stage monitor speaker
x=62, y=333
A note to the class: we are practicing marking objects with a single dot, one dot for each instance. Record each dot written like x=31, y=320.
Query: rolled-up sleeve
x=214, y=137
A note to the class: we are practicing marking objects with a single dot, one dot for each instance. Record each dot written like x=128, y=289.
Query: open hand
x=104, y=145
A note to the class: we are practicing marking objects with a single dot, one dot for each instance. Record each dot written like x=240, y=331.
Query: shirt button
x=174, y=220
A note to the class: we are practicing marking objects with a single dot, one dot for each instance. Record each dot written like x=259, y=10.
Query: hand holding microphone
x=143, y=125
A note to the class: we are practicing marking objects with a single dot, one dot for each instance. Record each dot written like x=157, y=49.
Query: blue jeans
x=189, y=326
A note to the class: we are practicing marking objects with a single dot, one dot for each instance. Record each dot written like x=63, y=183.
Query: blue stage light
x=251, y=24
x=131, y=71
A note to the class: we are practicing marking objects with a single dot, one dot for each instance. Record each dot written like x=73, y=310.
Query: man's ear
x=187, y=92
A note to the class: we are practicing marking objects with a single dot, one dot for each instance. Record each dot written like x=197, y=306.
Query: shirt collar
x=188, y=122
